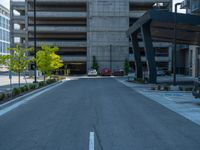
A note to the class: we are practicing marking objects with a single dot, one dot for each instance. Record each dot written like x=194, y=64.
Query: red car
x=106, y=72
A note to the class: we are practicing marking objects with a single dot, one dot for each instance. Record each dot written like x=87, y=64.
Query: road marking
x=25, y=100
x=91, y=141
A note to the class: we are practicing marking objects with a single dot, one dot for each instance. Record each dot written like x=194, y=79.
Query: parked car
x=106, y=72
x=92, y=72
x=160, y=72
x=131, y=75
x=118, y=73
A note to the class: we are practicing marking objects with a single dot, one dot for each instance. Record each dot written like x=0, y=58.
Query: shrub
x=2, y=96
x=16, y=91
x=50, y=81
x=180, y=88
x=188, y=88
x=32, y=86
x=22, y=89
x=57, y=78
x=139, y=80
x=8, y=95
x=26, y=88
x=168, y=72
x=185, y=88
x=159, y=87
x=41, y=83
x=167, y=88
x=153, y=88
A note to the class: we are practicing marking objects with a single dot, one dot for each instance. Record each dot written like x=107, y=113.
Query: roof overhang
x=162, y=27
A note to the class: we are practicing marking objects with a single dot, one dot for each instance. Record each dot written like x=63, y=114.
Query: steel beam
x=138, y=62
x=149, y=52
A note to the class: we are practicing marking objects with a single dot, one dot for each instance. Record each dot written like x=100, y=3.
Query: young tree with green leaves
x=126, y=66
x=47, y=60
x=94, y=63
x=17, y=61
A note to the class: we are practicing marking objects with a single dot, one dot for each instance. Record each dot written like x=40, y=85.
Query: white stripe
x=91, y=141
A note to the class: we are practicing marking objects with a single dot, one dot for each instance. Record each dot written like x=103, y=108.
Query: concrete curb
x=17, y=99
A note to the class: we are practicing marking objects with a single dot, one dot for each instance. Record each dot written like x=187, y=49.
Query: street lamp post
x=35, y=46
x=111, y=57
x=174, y=43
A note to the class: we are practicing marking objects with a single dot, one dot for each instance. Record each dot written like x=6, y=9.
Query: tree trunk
x=19, y=78
x=25, y=78
x=44, y=77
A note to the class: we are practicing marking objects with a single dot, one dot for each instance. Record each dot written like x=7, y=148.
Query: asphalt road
x=120, y=118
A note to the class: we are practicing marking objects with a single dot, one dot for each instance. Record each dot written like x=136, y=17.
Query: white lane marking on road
x=91, y=141
x=17, y=104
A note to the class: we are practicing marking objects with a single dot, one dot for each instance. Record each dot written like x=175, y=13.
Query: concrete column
x=149, y=52
x=11, y=26
x=138, y=62
x=170, y=58
x=194, y=61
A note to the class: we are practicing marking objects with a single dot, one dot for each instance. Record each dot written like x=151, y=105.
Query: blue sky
x=6, y=3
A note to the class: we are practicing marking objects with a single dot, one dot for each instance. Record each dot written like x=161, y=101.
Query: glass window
x=0, y=21
x=8, y=36
x=3, y=47
x=4, y=32
x=4, y=20
x=8, y=24
x=0, y=34
x=0, y=47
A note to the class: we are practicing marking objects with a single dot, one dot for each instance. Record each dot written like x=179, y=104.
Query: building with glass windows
x=4, y=30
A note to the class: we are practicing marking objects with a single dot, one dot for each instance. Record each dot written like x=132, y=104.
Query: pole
x=35, y=46
x=10, y=78
x=111, y=58
x=174, y=43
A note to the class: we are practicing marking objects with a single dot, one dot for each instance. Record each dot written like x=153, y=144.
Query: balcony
x=18, y=5
x=59, y=1
x=19, y=19
x=150, y=1
x=19, y=33
x=58, y=14
x=59, y=29
x=60, y=43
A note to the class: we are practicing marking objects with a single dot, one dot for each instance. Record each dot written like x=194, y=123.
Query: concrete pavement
x=5, y=82
x=181, y=102
x=121, y=119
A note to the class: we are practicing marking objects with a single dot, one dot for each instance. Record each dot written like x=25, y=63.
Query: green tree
x=126, y=66
x=94, y=63
x=17, y=61
x=47, y=60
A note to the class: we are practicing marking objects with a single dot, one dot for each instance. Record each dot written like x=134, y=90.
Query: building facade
x=191, y=53
x=86, y=28
x=4, y=30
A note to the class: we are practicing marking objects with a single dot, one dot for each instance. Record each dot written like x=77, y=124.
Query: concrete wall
x=107, y=24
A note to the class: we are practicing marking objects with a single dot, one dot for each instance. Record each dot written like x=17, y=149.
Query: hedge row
x=17, y=91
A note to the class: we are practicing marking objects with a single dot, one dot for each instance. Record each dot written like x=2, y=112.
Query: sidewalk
x=180, y=102
x=5, y=82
